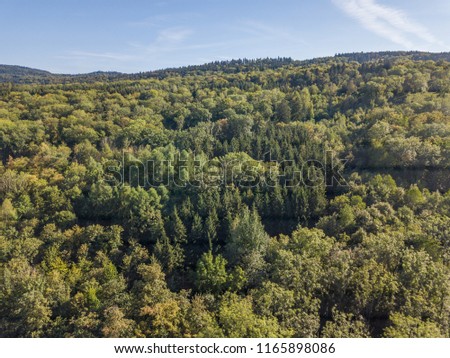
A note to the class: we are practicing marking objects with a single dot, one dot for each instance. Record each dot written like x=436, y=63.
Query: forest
x=250, y=198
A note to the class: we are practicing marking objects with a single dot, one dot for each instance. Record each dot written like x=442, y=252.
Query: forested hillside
x=266, y=198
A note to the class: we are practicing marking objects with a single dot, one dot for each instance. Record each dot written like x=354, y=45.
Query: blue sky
x=77, y=36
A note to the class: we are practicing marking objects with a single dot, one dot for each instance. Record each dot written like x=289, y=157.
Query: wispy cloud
x=149, y=22
x=173, y=39
x=389, y=22
x=100, y=55
x=173, y=34
x=264, y=31
x=165, y=40
x=162, y=20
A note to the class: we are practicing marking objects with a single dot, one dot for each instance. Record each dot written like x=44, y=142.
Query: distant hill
x=413, y=55
x=21, y=71
x=18, y=73
x=25, y=75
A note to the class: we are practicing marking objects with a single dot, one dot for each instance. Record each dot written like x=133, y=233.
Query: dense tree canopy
x=246, y=199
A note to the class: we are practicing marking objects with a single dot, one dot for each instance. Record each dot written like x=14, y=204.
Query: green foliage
x=237, y=319
x=211, y=273
x=203, y=202
x=409, y=327
x=345, y=325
